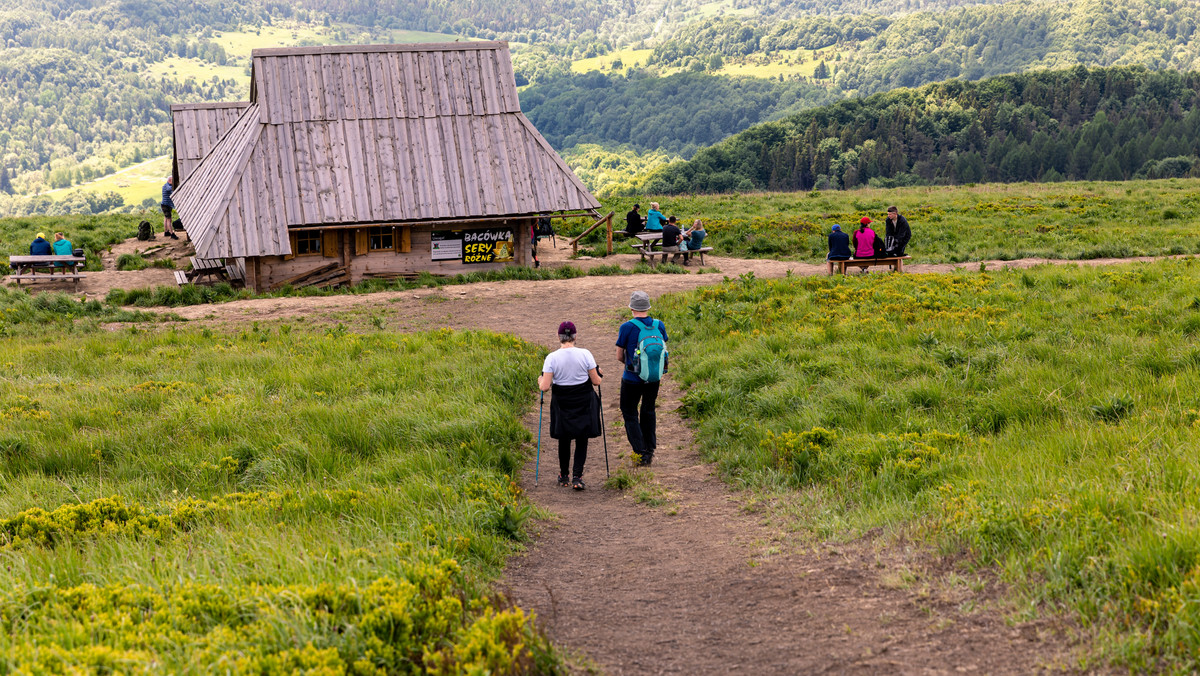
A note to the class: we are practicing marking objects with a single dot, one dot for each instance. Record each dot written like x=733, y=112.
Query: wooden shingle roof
x=373, y=134
x=197, y=128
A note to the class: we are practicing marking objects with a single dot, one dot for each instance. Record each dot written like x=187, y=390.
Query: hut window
x=382, y=239
x=308, y=243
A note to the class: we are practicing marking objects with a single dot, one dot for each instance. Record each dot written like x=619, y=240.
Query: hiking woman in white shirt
x=569, y=373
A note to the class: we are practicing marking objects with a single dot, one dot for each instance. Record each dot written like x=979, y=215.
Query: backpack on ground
x=145, y=231
x=650, y=359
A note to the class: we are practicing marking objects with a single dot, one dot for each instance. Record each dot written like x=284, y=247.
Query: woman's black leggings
x=564, y=456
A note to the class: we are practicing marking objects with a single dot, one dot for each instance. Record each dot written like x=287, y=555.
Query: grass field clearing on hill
x=629, y=58
x=134, y=184
x=1043, y=421
x=270, y=500
x=952, y=224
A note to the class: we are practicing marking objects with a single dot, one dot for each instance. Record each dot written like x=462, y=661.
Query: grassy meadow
x=134, y=184
x=1043, y=422
x=1073, y=221
x=266, y=500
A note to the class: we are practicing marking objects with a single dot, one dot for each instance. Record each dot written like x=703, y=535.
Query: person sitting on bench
x=896, y=233
x=839, y=245
x=62, y=247
x=693, y=239
x=654, y=219
x=633, y=221
x=864, y=239
x=40, y=247
x=671, y=237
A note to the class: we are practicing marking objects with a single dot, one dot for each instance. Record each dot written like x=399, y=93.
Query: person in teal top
x=654, y=219
x=62, y=245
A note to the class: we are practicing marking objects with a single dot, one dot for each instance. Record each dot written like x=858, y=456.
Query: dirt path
x=702, y=584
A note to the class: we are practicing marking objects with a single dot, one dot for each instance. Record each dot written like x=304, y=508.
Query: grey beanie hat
x=639, y=301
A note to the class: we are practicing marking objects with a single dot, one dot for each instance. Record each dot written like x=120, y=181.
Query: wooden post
x=610, y=220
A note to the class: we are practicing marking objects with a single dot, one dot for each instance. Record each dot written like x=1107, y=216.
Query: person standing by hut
x=167, y=207
x=569, y=373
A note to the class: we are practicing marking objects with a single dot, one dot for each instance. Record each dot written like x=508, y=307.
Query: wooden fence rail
x=603, y=219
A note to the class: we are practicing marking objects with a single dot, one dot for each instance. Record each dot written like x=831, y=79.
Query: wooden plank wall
x=273, y=269
x=198, y=127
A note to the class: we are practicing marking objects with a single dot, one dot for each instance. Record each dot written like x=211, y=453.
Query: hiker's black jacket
x=574, y=412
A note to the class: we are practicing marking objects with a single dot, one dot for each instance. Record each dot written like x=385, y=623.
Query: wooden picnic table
x=652, y=238
x=50, y=268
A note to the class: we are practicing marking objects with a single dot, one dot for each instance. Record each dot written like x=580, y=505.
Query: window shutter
x=404, y=245
x=292, y=241
x=362, y=242
x=329, y=240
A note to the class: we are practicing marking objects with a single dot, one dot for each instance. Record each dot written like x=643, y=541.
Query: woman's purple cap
x=566, y=328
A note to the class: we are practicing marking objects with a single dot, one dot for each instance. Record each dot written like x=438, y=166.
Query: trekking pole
x=538, y=463
x=603, y=430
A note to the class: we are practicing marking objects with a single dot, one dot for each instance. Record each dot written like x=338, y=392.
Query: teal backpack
x=650, y=359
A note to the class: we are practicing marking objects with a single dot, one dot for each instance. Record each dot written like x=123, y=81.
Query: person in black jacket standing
x=896, y=233
x=839, y=245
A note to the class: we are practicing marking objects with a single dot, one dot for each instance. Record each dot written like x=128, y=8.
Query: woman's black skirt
x=574, y=412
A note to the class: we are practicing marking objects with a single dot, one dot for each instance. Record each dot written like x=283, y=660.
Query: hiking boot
x=577, y=484
x=647, y=458
x=563, y=480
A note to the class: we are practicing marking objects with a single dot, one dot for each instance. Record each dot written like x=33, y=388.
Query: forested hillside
x=86, y=85
x=678, y=114
x=1099, y=124
x=876, y=53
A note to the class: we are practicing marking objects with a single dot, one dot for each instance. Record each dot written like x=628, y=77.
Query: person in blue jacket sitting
x=839, y=245
x=40, y=247
x=654, y=219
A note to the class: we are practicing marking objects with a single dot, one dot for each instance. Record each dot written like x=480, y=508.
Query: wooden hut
x=196, y=129
x=356, y=162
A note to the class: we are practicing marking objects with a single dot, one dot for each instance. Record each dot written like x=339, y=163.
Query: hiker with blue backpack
x=642, y=347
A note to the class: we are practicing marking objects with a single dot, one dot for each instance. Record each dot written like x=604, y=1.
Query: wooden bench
x=47, y=269
x=895, y=263
x=216, y=268
x=204, y=267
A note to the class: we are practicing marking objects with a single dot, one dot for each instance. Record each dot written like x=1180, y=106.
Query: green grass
x=270, y=500
x=1076, y=221
x=1043, y=421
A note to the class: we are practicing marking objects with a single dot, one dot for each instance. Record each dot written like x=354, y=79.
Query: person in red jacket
x=864, y=239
